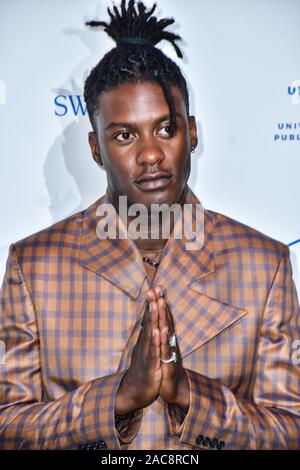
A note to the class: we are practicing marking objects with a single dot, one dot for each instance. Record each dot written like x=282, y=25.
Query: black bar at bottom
x=134, y=459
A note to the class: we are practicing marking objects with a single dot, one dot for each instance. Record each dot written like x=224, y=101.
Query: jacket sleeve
x=271, y=420
x=84, y=415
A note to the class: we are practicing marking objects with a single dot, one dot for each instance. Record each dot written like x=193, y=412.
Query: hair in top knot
x=136, y=32
x=137, y=22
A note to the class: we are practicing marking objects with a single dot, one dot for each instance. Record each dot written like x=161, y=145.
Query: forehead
x=138, y=102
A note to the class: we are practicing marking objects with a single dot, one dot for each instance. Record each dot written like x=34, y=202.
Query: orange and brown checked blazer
x=71, y=306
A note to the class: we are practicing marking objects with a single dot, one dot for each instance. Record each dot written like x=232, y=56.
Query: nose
x=149, y=153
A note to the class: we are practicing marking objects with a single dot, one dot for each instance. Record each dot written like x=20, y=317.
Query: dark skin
x=132, y=140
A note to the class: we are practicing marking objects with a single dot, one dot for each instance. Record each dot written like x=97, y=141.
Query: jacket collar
x=181, y=272
x=119, y=260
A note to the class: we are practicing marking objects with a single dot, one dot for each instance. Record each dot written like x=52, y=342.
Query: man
x=144, y=343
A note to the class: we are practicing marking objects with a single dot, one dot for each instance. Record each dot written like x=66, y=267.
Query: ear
x=193, y=132
x=95, y=149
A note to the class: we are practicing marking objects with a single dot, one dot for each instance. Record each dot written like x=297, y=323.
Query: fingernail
x=154, y=332
x=150, y=308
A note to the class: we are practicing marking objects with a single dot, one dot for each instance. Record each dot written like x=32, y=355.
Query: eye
x=165, y=131
x=123, y=136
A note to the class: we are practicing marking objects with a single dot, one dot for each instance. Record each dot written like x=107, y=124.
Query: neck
x=149, y=245
x=154, y=239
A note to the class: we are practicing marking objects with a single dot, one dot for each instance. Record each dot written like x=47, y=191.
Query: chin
x=164, y=199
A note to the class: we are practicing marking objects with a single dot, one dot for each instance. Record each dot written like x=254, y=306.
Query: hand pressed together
x=148, y=377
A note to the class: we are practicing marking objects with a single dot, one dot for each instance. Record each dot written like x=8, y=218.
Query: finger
x=165, y=316
x=172, y=332
x=150, y=295
x=146, y=330
x=159, y=291
x=166, y=353
x=164, y=328
x=164, y=337
x=167, y=330
x=149, y=313
x=162, y=313
x=151, y=298
x=146, y=315
x=154, y=353
x=169, y=317
x=150, y=323
x=154, y=314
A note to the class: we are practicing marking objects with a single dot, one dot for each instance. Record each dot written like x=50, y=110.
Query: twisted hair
x=136, y=32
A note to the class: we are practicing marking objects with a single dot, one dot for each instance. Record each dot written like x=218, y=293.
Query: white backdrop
x=242, y=63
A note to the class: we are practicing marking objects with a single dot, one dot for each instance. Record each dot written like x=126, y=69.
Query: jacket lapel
x=198, y=317
x=117, y=260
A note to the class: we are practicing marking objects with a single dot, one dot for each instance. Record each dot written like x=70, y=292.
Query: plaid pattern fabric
x=70, y=315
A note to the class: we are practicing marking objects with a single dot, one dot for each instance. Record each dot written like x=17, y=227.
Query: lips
x=154, y=181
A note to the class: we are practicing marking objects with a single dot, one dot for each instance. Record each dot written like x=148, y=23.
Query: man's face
x=141, y=159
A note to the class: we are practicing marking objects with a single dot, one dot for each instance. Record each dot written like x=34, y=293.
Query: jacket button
x=98, y=445
x=220, y=445
x=206, y=442
x=214, y=443
x=199, y=439
x=85, y=446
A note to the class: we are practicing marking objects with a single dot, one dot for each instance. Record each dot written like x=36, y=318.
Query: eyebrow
x=131, y=126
